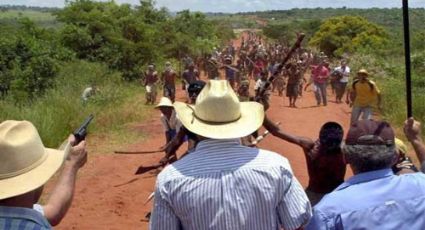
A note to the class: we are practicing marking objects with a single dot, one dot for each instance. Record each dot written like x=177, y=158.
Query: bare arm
x=61, y=197
x=303, y=142
x=412, y=130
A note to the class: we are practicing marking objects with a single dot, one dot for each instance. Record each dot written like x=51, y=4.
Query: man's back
x=22, y=219
x=374, y=200
x=223, y=185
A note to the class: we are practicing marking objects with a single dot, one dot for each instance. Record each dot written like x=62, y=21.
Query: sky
x=232, y=6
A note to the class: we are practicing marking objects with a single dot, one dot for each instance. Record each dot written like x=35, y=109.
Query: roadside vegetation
x=48, y=56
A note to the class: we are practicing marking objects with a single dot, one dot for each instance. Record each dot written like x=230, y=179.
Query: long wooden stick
x=138, y=152
x=294, y=47
x=407, y=58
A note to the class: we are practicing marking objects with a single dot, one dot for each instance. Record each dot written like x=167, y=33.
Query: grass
x=116, y=107
x=43, y=19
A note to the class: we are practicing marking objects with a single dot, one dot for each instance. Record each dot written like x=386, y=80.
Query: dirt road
x=110, y=196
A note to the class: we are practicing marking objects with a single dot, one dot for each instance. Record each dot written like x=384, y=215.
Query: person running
x=190, y=76
x=320, y=75
x=341, y=84
x=365, y=95
x=293, y=84
x=168, y=77
x=151, y=78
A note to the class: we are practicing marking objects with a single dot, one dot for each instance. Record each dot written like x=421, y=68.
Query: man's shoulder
x=273, y=159
x=23, y=217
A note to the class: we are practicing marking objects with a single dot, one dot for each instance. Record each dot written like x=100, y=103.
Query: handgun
x=81, y=132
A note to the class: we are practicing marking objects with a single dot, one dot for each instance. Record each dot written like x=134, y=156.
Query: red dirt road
x=110, y=196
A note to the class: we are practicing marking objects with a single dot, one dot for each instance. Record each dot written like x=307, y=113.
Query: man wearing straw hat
x=222, y=184
x=365, y=96
x=168, y=118
x=25, y=166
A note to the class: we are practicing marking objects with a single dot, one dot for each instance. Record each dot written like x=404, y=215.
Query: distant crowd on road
x=223, y=181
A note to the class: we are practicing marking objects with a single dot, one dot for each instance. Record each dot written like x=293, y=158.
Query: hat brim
x=252, y=117
x=34, y=178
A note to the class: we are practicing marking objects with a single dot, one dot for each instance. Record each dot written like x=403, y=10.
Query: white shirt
x=87, y=93
x=172, y=123
x=224, y=185
x=345, y=73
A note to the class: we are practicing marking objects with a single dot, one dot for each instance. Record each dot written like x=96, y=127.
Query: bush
x=60, y=111
x=348, y=34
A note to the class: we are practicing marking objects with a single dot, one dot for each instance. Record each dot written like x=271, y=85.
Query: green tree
x=346, y=34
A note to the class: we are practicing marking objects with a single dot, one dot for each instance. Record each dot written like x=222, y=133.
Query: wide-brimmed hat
x=25, y=164
x=218, y=113
x=363, y=71
x=164, y=102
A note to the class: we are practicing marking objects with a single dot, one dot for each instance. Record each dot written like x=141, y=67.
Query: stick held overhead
x=407, y=57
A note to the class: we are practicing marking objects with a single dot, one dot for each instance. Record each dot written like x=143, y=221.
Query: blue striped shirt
x=22, y=219
x=224, y=185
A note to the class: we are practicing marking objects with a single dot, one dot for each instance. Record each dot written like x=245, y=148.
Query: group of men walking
x=221, y=183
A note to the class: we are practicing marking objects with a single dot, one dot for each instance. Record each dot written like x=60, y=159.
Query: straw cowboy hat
x=25, y=164
x=363, y=71
x=164, y=102
x=218, y=114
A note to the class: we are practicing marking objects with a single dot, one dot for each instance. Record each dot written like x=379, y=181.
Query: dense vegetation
x=48, y=59
x=44, y=69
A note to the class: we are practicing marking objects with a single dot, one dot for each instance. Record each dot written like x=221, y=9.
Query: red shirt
x=320, y=75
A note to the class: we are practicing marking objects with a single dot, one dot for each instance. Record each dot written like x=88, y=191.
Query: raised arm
x=303, y=142
x=412, y=130
x=61, y=197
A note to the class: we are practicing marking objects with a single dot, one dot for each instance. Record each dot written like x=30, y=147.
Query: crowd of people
x=223, y=181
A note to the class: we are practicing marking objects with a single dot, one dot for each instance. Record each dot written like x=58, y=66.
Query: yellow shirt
x=364, y=95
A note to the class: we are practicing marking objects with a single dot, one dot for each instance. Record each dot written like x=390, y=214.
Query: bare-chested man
x=294, y=79
x=190, y=75
x=151, y=78
x=168, y=77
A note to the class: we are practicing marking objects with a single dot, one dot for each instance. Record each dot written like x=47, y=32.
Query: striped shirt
x=22, y=219
x=224, y=185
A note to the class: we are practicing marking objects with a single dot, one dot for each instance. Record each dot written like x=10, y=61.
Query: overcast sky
x=240, y=5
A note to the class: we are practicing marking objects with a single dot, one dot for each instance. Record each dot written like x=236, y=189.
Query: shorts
x=292, y=89
x=169, y=91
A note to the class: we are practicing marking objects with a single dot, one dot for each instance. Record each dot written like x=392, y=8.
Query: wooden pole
x=407, y=57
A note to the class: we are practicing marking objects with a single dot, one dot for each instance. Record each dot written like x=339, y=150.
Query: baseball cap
x=370, y=132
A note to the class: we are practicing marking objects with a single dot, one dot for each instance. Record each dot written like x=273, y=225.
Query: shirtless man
x=151, y=78
x=325, y=163
x=294, y=79
x=190, y=75
x=168, y=77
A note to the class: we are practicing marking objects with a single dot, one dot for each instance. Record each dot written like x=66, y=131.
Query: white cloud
x=239, y=5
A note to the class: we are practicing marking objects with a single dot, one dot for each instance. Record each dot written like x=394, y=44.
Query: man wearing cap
x=364, y=96
x=168, y=77
x=222, y=184
x=25, y=166
x=374, y=198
